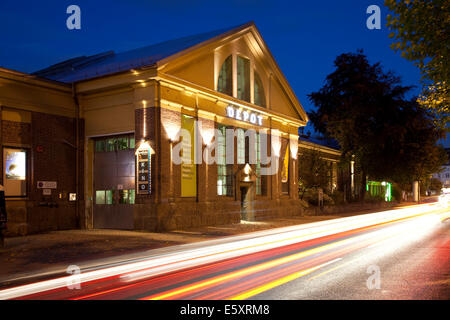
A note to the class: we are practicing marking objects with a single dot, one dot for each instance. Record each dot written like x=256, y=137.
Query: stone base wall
x=181, y=215
x=28, y=217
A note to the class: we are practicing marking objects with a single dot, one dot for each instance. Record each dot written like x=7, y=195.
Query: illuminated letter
x=230, y=111
x=238, y=114
x=259, y=120
x=246, y=115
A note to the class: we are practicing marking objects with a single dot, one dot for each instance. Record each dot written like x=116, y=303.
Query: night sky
x=304, y=36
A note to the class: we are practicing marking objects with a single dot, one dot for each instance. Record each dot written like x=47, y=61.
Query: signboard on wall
x=15, y=172
x=144, y=176
x=47, y=184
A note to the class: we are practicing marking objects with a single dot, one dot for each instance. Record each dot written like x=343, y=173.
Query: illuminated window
x=15, y=172
x=115, y=144
x=260, y=98
x=243, y=79
x=240, y=146
x=225, y=81
x=258, y=164
x=224, y=171
x=100, y=197
x=109, y=196
x=131, y=196
x=123, y=196
x=100, y=145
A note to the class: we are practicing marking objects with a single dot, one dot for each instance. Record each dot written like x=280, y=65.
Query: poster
x=15, y=164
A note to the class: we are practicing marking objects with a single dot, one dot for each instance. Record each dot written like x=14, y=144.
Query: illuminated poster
x=285, y=167
x=15, y=164
x=188, y=167
x=15, y=172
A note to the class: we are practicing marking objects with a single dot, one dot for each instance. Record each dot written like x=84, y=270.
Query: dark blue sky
x=304, y=36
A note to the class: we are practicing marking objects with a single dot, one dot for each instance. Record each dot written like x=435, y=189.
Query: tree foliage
x=421, y=31
x=365, y=110
x=313, y=171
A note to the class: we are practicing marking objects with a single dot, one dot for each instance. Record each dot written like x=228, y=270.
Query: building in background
x=90, y=142
x=444, y=175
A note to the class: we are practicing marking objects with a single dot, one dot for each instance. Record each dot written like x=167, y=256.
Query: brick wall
x=165, y=209
x=51, y=142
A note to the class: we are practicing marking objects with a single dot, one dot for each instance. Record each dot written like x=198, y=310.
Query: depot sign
x=244, y=115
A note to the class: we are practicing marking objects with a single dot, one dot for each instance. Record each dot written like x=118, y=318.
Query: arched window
x=243, y=79
x=260, y=98
x=225, y=81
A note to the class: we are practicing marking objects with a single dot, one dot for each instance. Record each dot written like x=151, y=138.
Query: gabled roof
x=87, y=67
x=320, y=141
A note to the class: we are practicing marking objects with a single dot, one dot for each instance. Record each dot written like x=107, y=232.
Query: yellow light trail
x=249, y=270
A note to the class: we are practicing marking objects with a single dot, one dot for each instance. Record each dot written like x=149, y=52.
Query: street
x=395, y=254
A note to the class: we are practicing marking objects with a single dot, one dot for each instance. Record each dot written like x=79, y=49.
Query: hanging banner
x=285, y=167
x=188, y=167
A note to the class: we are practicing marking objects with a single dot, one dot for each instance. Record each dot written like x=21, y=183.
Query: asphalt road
x=396, y=254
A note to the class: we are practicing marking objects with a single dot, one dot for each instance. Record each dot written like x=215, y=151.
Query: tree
x=421, y=30
x=364, y=109
x=313, y=171
x=435, y=185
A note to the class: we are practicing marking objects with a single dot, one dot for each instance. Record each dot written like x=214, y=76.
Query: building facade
x=164, y=137
x=444, y=175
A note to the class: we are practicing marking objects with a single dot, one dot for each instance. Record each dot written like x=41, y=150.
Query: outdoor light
x=172, y=130
x=247, y=169
x=276, y=142
x=293, y=145
x=207, y=136
x=144, y=145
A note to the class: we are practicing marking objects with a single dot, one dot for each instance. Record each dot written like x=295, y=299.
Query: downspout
x=77, y=154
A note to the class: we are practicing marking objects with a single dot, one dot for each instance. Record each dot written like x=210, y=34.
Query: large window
x=15, y=172
x=114, y=143
x=224, y=171
x=243, y=74
x=260, y=98
x=241, y=150
x=225, y=81
x=243, y=79
x=258, y=165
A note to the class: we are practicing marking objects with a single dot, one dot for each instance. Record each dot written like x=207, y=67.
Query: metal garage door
x=114, y=172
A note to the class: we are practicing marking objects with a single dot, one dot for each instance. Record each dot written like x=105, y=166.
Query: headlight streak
x=264, y=240
x=190, y=291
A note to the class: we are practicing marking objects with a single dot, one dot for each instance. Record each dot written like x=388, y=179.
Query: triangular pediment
x=201, y=64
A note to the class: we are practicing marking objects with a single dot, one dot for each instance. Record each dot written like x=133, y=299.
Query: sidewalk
x=50, y=253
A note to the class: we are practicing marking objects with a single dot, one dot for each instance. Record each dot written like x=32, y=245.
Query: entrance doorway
x=247, y=191
x=245, y=203
x=114, y=188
